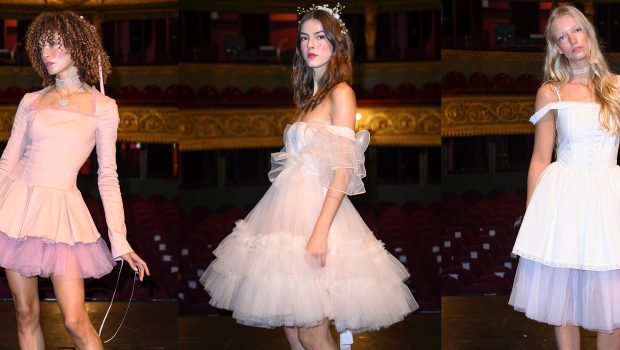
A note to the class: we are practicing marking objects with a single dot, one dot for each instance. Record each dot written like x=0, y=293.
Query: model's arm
x=15, y=146
x=342, y=110
x=544, y=139
x=109, y=188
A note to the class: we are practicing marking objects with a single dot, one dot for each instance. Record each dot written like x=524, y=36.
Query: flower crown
x=335, y=12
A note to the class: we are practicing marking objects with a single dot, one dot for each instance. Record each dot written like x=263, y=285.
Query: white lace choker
x=71, y=81
x=580, y=70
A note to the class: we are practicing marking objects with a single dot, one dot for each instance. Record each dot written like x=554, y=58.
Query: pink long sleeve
x=16, y=144
x=108, y=178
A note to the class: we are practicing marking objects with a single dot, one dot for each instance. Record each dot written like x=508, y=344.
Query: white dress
x=569, y=241
x=262, y=272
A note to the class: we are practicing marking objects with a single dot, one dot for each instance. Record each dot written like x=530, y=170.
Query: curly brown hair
x=76, y=35
x=339, y=68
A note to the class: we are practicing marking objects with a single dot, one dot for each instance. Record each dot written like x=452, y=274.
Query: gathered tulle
x=272, y=282
x=263, y=274
x=36, y=256
x=336, y=153
x=564, y=296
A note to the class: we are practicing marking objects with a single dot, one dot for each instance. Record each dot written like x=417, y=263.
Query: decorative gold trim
x=486, y=115
x=201, y=129
x=149, y=124
x=138, y=124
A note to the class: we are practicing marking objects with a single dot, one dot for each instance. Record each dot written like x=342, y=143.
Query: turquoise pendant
x=63, y=102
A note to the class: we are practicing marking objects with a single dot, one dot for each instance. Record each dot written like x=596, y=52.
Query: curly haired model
x=45, y=227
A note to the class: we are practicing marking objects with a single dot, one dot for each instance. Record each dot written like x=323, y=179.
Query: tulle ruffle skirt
x=263, y=274
x=36, y=256
x=564, y=296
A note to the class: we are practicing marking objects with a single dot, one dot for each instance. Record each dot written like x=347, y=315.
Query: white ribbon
x=101, y=89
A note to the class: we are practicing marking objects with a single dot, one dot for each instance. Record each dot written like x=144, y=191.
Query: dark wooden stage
x=149, y=325
x=488, y=322
x=417, y=331
x=156, y=325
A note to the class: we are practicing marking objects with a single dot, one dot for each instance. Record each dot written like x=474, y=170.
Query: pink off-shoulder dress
x=45, y=226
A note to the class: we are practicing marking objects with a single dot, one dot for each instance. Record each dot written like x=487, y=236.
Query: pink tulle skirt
x=35, y=256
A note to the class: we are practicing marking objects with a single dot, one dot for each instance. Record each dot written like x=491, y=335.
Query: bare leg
x=70, y=296
x=317, y=338
x=25, y=292
x=292, y=335
x=608, y=341
x=567, y=337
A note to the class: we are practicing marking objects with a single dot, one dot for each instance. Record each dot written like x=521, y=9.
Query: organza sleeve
x=17, y=141
x=107, y=179
x=338, y=155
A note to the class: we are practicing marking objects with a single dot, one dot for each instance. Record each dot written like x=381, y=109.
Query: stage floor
x=156, y=325
x=417, y=331
x=488, y=322
x=149, y=325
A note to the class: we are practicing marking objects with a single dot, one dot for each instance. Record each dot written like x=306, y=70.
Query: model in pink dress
x=45, y=227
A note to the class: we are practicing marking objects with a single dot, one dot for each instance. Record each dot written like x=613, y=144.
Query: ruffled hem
x=572, y=219
x=333, y=152
x=35, y=256
x=268, y=281
x=561, y=296
x=50, y=213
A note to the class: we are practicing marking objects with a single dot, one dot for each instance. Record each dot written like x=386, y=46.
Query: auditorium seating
x=475, y=248
x=456, y=83
x=254, y=96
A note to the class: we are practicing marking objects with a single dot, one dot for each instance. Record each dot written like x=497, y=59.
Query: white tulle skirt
x=564, y=296
x=263, y=274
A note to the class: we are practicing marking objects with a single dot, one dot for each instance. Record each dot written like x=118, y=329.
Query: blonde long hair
x=557, y=70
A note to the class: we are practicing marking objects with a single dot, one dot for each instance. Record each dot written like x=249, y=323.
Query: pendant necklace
x=65, y=99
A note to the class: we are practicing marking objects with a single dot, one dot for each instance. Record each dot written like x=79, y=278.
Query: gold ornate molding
x=149, y=124
x=138, y=124
x=486, y=115
x=201, y=129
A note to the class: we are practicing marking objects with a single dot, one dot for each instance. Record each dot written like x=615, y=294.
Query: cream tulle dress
x=262, y=272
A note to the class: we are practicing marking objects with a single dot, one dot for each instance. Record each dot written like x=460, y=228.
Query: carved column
x=370, y=30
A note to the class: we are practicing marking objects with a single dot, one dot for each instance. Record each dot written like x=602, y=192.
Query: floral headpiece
x=335, y=12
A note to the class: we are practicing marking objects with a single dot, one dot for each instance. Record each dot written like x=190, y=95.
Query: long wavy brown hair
x=76, y=35
x=338, y=70
x=557, y=69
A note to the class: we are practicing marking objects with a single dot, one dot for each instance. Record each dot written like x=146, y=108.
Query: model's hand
x=317, y=247
x=137, y=264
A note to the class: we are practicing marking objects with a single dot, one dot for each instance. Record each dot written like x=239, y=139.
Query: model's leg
x=70, y=295
x=608, y=341
x=567, y=337
x=25, y=292
x=292, y=335
x=317, y=338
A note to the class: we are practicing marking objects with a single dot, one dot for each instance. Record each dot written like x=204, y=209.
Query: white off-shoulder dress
x=262, y=272
x=569, y=241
